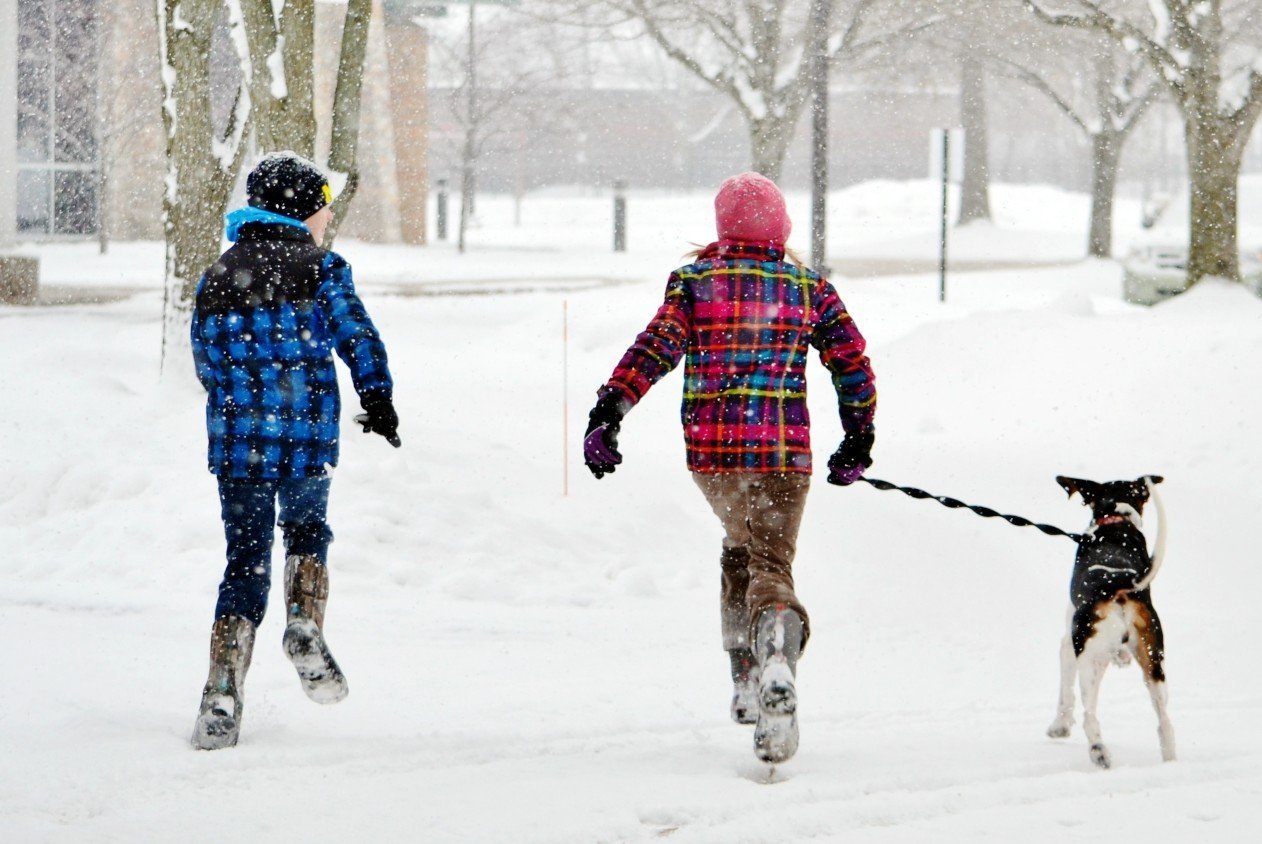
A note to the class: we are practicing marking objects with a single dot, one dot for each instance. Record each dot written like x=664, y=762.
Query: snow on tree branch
x=1093, y=16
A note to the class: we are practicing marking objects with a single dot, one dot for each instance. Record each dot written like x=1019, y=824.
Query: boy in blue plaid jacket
x=268, y=316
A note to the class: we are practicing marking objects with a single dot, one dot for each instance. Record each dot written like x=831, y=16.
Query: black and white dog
x=1112, y=617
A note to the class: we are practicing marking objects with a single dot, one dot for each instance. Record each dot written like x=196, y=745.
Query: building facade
x=56, y=143
x=82, y=147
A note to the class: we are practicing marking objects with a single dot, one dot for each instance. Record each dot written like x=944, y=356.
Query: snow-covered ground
x=531, y=665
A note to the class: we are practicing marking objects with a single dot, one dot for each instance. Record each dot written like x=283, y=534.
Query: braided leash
x=955, y=504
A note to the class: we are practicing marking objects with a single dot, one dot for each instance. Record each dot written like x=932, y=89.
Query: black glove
x=379, y=418
x=600, y=442
x=852, y=457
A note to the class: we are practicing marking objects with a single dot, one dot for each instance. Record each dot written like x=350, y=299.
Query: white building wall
x=8, y=120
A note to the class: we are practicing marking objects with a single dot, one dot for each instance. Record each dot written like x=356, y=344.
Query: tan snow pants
x=761, y=514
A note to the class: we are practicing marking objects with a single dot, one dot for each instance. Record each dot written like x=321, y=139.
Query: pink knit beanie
x=750, y=208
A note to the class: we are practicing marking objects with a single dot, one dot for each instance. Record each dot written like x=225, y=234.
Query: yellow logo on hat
x=328, y=193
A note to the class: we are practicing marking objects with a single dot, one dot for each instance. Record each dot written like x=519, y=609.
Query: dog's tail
x=1159, y=548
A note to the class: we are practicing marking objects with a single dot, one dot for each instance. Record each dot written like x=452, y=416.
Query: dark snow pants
x=761, y=514
x=249, y=522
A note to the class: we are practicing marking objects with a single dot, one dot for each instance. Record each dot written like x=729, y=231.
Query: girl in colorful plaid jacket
x=741, y=316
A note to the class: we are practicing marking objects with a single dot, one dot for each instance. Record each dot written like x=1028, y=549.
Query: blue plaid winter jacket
x=268, y=315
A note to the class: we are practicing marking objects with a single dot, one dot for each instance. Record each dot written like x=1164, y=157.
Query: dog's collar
x=1112, y=519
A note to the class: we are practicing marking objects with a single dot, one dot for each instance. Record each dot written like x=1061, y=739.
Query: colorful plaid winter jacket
x=268, y=315
x=741, y=318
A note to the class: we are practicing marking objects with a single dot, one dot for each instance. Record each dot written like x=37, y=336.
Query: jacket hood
x=234, y=220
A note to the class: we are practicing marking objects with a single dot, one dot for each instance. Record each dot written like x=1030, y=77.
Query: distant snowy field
x=528, y=665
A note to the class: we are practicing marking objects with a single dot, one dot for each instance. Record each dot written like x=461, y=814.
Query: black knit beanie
x=288, y=184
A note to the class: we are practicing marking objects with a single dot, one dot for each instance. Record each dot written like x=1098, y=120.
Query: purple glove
x=846, y=476
x=600, y=444
x=600, y=450
x=851, y=459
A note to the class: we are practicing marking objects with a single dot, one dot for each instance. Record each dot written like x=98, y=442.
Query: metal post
x=466, y=172
x=821, y=12
x=565, y=397
x=442, y=209
x=8, y=121
x=946, y=181
x=619, y=216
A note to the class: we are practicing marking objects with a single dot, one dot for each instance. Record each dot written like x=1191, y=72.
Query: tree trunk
x=1106, y=152
x=466, y=195
x=281, y=87
x=975, y=189
x=820, y=21
x=198, y=182
x=1215, y=150
x=769, y=140
x=344, y=146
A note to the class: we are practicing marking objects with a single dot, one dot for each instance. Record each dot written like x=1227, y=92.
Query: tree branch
x=852, y=29
x=717, y=81
x=237, y=131
x=1251, y=108
x=863, y=47
x=1022, y=73
x=1120, y=30
x=1140, y=107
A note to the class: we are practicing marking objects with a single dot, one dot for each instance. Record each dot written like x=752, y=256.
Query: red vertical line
x=565, y=397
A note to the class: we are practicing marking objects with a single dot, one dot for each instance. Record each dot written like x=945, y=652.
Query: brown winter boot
x=219, y=718
x=306, y=594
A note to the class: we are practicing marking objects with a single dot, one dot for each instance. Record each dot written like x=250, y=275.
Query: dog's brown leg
x=1149, y=649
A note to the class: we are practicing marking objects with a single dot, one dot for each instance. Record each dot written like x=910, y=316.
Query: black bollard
x=442, y=209
x=619, y=216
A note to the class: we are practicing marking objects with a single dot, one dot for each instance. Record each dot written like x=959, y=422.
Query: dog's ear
x=1072, y=485
x=1151, y=479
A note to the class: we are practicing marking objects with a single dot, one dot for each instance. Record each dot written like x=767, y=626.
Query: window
x=58, y=159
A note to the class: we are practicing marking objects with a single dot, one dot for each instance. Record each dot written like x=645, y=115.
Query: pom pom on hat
x=750, y=208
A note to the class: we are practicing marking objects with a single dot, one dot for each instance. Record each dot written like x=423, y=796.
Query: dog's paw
x=1059, y=729
x=1100, y=756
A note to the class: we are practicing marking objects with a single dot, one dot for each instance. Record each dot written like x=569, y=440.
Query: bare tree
x=961, y=33
x=1104, y=91
x=506, y=98
x=279, y=65
x=202, y=163
x=975, y=180
x=344, y=141
x=1206, y=52
x=754, y=51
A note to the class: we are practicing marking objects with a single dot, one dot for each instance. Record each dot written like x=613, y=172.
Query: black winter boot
x=306, y=595
x=219, y=718
x=777, y=644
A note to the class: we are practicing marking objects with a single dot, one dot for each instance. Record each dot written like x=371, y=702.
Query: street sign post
x=946, y=161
